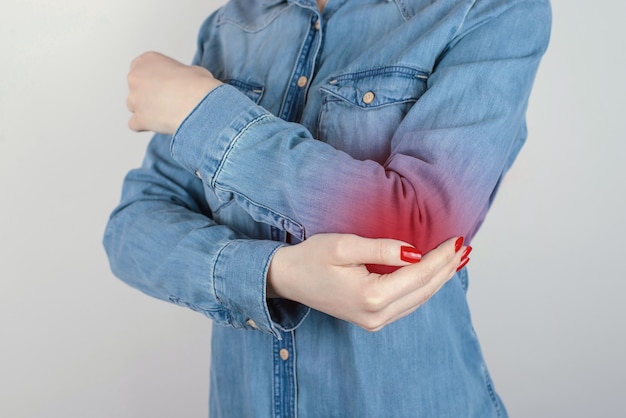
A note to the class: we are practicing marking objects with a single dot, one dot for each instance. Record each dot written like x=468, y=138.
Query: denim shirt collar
x=304, y=3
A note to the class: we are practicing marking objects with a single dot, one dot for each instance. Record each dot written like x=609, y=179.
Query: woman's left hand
x=163, y=91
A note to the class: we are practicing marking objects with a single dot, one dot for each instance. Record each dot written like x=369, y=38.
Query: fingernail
x=463, y=263
x=410, y=254
x=467, y=251
x=458, y=244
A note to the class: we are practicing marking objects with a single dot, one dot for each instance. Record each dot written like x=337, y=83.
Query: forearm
x=283, y=177
x=162, y=240
x=308, y=186
x=445, y=159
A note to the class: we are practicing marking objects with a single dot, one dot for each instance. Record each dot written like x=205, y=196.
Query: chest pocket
x=361, y=111
x=254, y=91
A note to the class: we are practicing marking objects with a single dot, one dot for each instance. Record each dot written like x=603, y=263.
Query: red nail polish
x=458, y=244
x=467, y=251
x=410, y=254
x=463, y=263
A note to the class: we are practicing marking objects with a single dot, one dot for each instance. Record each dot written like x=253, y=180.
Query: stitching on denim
x=463, y=278
x=227, y=313
x=183, y=124
x=219, y=209
x=403, y=10
x=301, y=233
x=340, y=98
x=401, y=70
x=208, y=312
x=232, y=145
x=213, y=266
x=253, y=91
x=222, y=19
x=490, y=390
x=216, y=185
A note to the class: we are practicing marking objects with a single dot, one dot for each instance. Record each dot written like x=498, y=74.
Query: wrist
x=204, y=85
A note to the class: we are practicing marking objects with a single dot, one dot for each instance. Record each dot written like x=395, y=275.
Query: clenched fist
x=163, y=91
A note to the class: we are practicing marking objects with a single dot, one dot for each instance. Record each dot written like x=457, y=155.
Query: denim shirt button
x=302, y=81
x=197, y=173
x=284, y=354
x=252, y=324
x=368, y=97
x=317, y=24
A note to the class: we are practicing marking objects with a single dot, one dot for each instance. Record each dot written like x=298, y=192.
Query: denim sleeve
x=161, y=239
x=447, y=156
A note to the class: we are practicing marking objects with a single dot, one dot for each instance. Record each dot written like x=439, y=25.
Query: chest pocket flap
x=254, y=91
x=378, y=87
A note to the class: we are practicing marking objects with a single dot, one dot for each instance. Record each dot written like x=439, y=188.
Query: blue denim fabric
x=376, y=117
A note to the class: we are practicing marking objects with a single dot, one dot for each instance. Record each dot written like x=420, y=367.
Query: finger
x=418, y=298
x=134, y=124
x=146, y=56
x=406, y=304
x=415, y=276
x=353, y=249
x=137, y=60
x=406, y=280
x=422, y=288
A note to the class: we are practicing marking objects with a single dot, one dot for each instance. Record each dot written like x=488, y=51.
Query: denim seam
x=230, y=147
x=213, y=267
x=253, y=91
x=216, y=185
x=219, y=209
x=300, y=233
x=273, y=329
x=273, y=326
x=383, y=70
x=403, y=10
x=223, y=20
x=178, y=301
x=340, y=98
x=490, y=390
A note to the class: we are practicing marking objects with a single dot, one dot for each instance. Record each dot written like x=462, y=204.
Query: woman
x=300, y=166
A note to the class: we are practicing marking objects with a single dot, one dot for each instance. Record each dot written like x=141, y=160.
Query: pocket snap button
x=368, y=97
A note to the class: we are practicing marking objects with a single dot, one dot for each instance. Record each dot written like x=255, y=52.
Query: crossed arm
x=427, y=193
x=327, y=272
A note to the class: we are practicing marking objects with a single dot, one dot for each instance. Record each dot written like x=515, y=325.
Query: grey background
x=547, y=280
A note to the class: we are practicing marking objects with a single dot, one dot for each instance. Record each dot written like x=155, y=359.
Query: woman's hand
x=163, y=91
x=328, y=273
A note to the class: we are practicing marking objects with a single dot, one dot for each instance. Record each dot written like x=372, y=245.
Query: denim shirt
x=375, y=117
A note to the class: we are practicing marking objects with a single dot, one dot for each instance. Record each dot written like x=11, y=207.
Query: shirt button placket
x=284, y=376
x=294, y=100
x=302, y=81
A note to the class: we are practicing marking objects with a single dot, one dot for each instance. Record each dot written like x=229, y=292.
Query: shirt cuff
x=240, y=280
x=203, y=140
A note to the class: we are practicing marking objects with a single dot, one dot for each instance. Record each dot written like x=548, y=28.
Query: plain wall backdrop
x=547, y=272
